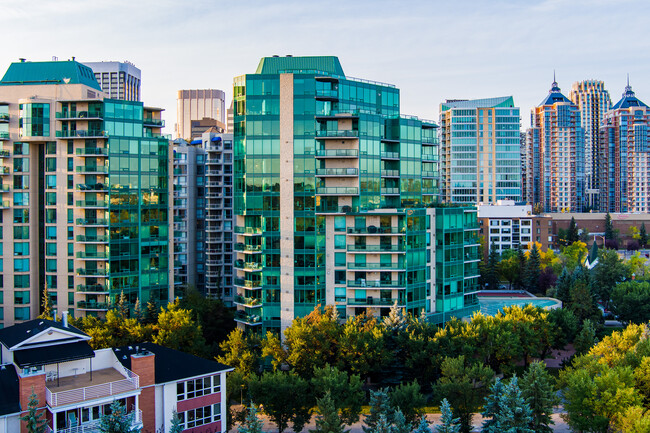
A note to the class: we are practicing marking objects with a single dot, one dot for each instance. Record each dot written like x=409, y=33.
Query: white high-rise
x=199, y=110
x=119, y=80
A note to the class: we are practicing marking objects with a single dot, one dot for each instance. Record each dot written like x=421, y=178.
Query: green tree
x=609, y=228
x=46, y=305
x=586, y=338
x=563, y=286
x=241, y=351
x=643, y=236
x=521, y=258
x=34, y=421
x=175, y=423
x=583, y=305
x=176, y=329
x=285, y=397
x=449, y=423
x=564, y=326
x=399, y=423
x=505, y=410
x=509, y=267
x=574, y=254
x=631, y=301
x=362, y=346
x=572, y=233
x=117, y=421
x=345, y=392
x=539, y=394
x=532, y=270
x=328, y=420
x=380, y=411
x=489, y=273
x=423, y=426
x=463, y=386
x=409, y=400
x=634, y=420
x=252, y=423
x=609, y=271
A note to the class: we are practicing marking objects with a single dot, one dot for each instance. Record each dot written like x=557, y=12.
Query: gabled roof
x=554, y=96
x=9, y=398
x=171, y=365
x=628, y=100
x=327, y=64
x=38, y=73
x=23, y=332
x=499, y=102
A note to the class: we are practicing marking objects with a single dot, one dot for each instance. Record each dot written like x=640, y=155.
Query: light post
x=241, y=394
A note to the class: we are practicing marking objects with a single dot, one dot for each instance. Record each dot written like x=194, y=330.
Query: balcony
x=4, y=171
x=335, y=209
x=93, y=426
x=248, y=266
x=376, y=302
x=337, y=153
x=248, y=230
x=389, y=155
x=92, y=255
x=4, y=118
x=376, y=248
x=4, y=187
x=92, y=170
x=337, y=134
x=372, y=230
x=380, y=266
x=248, y=248
x=92, y=239
x=92, y=187
x=337, y=190
x=92, y=222
x=5, y=153
x=5, y=204
x=80, y=133
x=390, y=173
x=80, y=388
x=75, y=115
x=378, y=284
x=92, y=288
x=92, y=203
x=247, y=302
x=247, y=284
x=329, y=94
x=93, y=305
x=151, y=122
x=337, y=172
x=4, y=135
x=92, y=151
x=84, y=272
x=429, y=156
x=390, y=191
x=248, y=319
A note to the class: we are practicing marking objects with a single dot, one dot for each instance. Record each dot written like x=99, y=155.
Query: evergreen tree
x=586, y=338
x=382, y=425
x=252, y=423
x=572, y=234
x=519, y=280
x=449, y=423
x=117, y=421
x=506, y=410
x=123, y=306
x=399, y=423
x=563, y=286
x=379, y=408
x=409, y=400
x=395, y=321
x=643, y=236
x=491, y=276
x=175, y=424
x=345, y=392
x=538, y=392
x=34, y=421
x=609, y=228
x=151, y=315
x=533, y=270
x=423, y=426
x=328, y=420
x=137, y=311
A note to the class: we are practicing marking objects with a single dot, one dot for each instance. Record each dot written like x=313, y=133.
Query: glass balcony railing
x=379, y=284
x=391, y=191
x=390, y=173
x=5, y=153
x=337, y=134
x=390, y=155
x=248, y=302
x=4, y=135
x=92, y=221
x=248, y=248
x=92, y=169
x=393, y=266
x=248, y=230
x=377, y=248
x=371, y=301
x=92, y=255
x=92, y=114
x=92, y=288
x=80, y=133
x=93, y=151
x=92, y=239
x=248, y=319
x=4, y=117
x=337, y=172
x=337, y=190
x=338, y=153
x=150, y=121
x=371, y=230
x=5, y=170
x=92, y=203
x=92, y=305
x=92, y=272
x=247, y=283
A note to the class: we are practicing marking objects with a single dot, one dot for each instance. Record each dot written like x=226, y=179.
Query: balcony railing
x=378, y=284
x=92, y=239
x=248, y=248
x=80, y=115
x=92, y=255
x=93, y=151
x=92, y=288
x=337, y=153
x=337, y=134
x=248, y=319
x=336, y=171
x=5, y=204
x=92, y=203
x=5, y=153
x=337, y=190
x=390, y=173
x=249, y=266
x=248, y=230
x=391, y=191
x=248, y=302
x=91, y=187
x=376, y=248
x=241, y=282
x=80, y=133
x=92, y=305
x=103, y=390
x=4, y=117
x=149, y=121
x=4, y=135
x=92, y=272
x=371, y=230
x=92, y=221
x=5, y=170
x=393, y=266
x=95, y=169
x=376, y=302
x=390, y=155
x=93, y=426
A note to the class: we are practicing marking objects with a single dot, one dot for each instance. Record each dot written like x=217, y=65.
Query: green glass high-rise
x=335, y=196
x=85, y=194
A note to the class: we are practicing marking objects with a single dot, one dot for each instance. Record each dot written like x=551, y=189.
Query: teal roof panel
x=275, y=65
x=500, y=102
x=39, y=73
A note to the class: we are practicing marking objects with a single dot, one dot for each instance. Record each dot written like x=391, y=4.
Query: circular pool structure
x=491, y=305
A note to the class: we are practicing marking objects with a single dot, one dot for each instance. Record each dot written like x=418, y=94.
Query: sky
x=431, y=50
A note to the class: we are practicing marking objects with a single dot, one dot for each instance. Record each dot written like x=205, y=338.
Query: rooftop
x=273, y=65
x=554, y=96
x=499, y=102
x=628, y=100
x=9, y=401
x=21, y=332
x=40, y=73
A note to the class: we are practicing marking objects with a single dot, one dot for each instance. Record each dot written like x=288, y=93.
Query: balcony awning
x=216, y=139
x=197, y=141
x=53, y=354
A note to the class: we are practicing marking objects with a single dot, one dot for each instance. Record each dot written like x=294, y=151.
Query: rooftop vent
x=22, y=59
x=275, y=55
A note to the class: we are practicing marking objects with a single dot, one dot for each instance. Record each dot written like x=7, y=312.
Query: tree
x=362, y=346
x=46, y=304
x=285, y=397
x=175, y=423
x=345, y=392
x=532, y=271
x=463, y=386
x=539, y=394
x=449, y=423
x=519, y=281
x=423, y=426
x=564, y=326
x=399, y=423
x=631, y=301
x=122, y=306
x=572, y=233
x=643, y=236
x=583, y=304
x=489, y=275
x=574, y=254
x=328, y=420
x=563, y=286
x=241, y=352
x=505, y=410
x=609, y=228
x=396, y=320
x=609, y=271
x=409, y=400
x=509, y=268
x=252, y=423
x=34, y=421
x=380, y=408
x=634, y=420
x=586, y=338
x=137, y=311
x=117, y=420
x=151, y=314
x=177, y=330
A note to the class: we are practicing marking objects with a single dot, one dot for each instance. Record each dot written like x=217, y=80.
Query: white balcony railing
x=93, y=426
x=130, y=383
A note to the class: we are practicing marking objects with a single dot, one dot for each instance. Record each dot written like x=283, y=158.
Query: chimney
x=54, y=314
x=64, y=318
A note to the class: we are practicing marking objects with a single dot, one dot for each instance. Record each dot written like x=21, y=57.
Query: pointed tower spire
x=628, y=89
x=554, y=86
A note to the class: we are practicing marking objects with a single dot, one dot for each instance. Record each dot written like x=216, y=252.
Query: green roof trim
x=326, y=64
x=39, y=73
x=500, y=102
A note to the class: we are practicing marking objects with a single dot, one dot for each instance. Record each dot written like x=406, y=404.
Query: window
x=21, y=265
x=200, y=416
x=50, y=232
x=21, y=232
x=21, y=249
x=198, y=387
x=50, y=249
x=339, y=259
x=21, y=313
x=50, y=216
x=339, y=277
x=339, y=242
x=339, y=224
x=21, y=216
x=50, y=164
